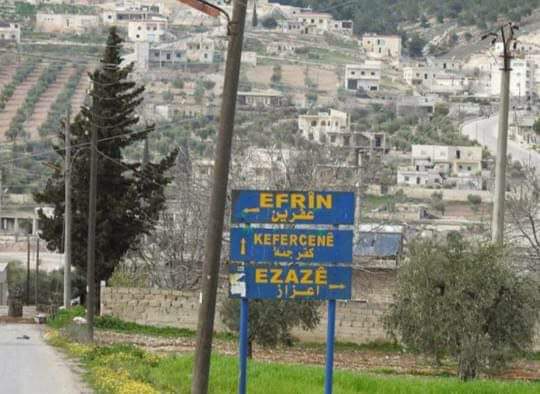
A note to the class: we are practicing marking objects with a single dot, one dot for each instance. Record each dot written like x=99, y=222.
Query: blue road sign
x=281, y=207
x=291, y=245
x=290, y=281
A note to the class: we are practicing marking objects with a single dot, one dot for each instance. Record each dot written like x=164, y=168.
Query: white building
x=316, y=23
x=435, y=78
x=261, y=98
x=66, y=23
x=148, y=30
x=432, y=165
x=522, y=79
x=121, y=16
x=196, y=49
x=382, y=47
x=365, y=76
x=317, y=127
x=278, y=48
x=10, y=31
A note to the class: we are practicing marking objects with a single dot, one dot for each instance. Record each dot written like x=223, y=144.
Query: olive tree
x=271, y=321
x=461, y=300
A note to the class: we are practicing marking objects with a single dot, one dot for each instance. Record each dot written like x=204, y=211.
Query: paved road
x=29, y=366
x=485, y=132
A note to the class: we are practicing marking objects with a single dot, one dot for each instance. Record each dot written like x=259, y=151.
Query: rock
x=79, y=320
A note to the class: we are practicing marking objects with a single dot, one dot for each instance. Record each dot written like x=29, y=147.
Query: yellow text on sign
x=295, y=200
x=280, y=276
x=307, y=240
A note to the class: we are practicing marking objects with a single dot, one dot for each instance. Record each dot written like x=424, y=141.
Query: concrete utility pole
x=28, y=269
x=507, y=38
x=67, y=214
x=36, y=290
x=205, y=328
x=91, y=249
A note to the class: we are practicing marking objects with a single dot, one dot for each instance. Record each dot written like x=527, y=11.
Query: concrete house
x=318, y=127
x=431, y=165
x=381, y=46
x=365, y=76
x=261, y=99
x=10, y=32
x=66, y=23
x=148, y=30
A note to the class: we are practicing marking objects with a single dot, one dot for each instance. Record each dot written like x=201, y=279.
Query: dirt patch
x=16, y=320
x=367, y=361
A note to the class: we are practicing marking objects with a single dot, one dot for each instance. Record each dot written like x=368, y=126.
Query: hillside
x=386, y=16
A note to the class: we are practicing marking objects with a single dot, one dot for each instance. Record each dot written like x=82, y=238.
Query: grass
x=375, y=346
x=127, y=369
x=64, y=317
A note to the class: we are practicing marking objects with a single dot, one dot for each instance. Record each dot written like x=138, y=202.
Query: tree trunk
x=467, y=368
x=250, y=349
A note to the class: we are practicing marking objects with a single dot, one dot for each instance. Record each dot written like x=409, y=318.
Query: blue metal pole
x=330, y=336
x=244, y=313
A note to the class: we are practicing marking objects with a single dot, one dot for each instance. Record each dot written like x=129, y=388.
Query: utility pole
x=507, y=38
x=28, y=269
x=67, y=214
x=207, y=309
x=36, y=290
x=91, y=252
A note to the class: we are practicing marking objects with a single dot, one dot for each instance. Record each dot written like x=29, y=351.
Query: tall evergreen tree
x=129, y=195
x=255, y=20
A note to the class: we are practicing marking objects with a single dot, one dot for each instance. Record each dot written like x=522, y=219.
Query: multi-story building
x=10, y=31
x=261, y=98
x=437, y=77
x=66, y=23
x=318, y=127
x=365, y=76
x=121, y=16
x=522, y=81
x=148, y=30
x=382, y=47
x=316, y=23
x=433, y=165
x=196, y=49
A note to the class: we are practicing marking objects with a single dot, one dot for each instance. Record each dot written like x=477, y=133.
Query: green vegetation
x=29, y=10
x=62, y=103
x=48, y=77
x=20, y=75
x=50, y=289
x=462, y=300
x=131, y=195
x=128, y=369
x=385, y=16
x=271, y=321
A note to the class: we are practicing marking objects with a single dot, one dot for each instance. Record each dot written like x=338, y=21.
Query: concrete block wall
x=358, y=320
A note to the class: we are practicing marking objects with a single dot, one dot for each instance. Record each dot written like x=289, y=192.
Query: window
x=310, y=136
x=460, y=167
x=313, y=123
x=168, y=56
x=139, y=28
x=373, y=73
x=406, y=179
x=346, y=140
x=353, y=73
x=323, y=123
x=418, y=180
x=458, y=154
x=362, y=73
x=332, y=138
x=138, y=36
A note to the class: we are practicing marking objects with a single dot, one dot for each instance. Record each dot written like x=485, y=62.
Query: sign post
x=244, y=313
x=307, y=262
x=330, y=338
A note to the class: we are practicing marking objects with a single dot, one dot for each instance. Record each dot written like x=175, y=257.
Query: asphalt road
x=29, y=366
x=485, y=132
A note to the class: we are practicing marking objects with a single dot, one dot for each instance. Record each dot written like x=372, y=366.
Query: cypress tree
x=130, y=195
x=255, y=20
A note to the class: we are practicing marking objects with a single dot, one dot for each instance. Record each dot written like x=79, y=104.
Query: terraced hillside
x=80, y=93
x=45, y=102
x=17, y=99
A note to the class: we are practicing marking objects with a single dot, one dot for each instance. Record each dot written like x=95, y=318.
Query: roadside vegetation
x=128, y=369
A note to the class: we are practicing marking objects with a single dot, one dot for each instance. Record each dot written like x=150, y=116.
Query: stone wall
x=357, y=320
